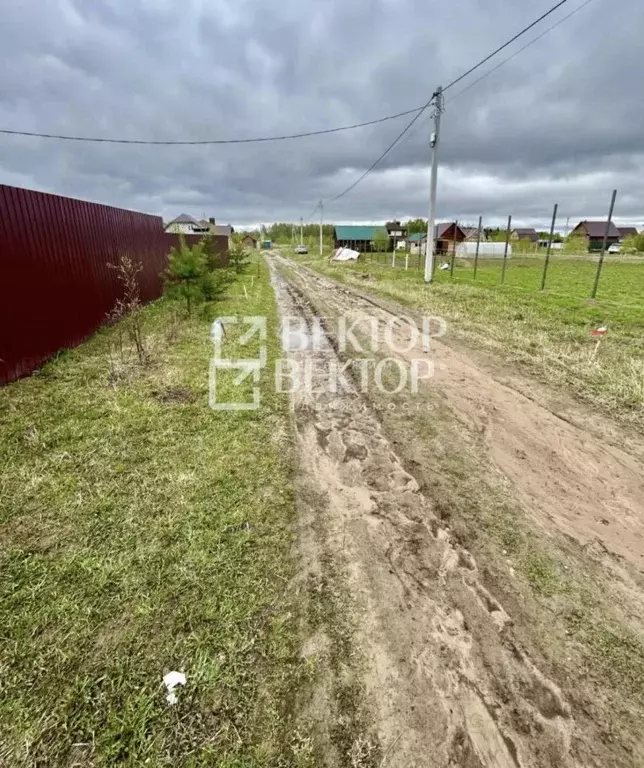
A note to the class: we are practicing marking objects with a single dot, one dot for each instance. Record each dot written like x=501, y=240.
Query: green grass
x=144, y=532
x=548, y=332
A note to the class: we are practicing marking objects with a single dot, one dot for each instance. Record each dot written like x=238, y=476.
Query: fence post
x=505, y=252
x=547, y=261
x=601, y=257
x=478, y=243
x=451, y=267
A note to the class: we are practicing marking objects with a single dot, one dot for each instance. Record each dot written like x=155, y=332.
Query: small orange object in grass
x=599, y=333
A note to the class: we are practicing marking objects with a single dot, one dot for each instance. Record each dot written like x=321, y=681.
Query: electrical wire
x=418, y=110
x=516, y=53
x=383, y=155
x=454, y=82
x=506, y=44
x=254, y=140
x=312, y=214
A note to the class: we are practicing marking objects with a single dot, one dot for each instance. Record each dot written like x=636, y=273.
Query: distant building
x=358, y=238
x=472, y=234
x=626, y=231
x=446, y=234
x=249, y=242
x=187, y=225
x=397, y=234
x=525, y=233
x=593, y=232
x=417, y=242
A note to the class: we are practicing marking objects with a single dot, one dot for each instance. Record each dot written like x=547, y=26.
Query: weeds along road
x=472, y=557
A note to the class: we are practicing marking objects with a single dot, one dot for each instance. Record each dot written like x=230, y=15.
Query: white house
x=186, y=225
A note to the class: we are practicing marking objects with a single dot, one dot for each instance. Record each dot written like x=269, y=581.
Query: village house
x=525, y=233
x=361, y=238
x=593, y=232
x=397, y=233
x=187, y=225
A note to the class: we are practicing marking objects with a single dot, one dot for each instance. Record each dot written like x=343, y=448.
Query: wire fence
x=543, y=265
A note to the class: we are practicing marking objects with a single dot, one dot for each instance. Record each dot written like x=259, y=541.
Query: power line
x=520, y=50
x=312, y=214
x=454, y=82
x=254, y=140
x=383, y=155
x=505, y=45
x=419, y=110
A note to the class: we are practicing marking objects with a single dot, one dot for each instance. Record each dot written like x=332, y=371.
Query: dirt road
x=434, y=644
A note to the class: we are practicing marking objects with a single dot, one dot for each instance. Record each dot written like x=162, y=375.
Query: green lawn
x=143, y=532
x=548, y=332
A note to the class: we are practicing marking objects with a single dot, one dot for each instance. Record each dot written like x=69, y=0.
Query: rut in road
x=446, y=682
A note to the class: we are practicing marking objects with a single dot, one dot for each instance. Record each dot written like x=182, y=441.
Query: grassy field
x=549, y=332
x=621, y=281
x=144, y=532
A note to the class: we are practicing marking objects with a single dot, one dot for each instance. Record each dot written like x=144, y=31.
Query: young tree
x=187, y=272
x=381, y=240
x=127, y=310
x=238, y=256
x=416, y=226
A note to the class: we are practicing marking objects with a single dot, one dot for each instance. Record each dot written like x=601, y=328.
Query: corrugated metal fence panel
x=56, y=283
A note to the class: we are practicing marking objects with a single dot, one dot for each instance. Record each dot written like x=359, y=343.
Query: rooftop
x=358, y=232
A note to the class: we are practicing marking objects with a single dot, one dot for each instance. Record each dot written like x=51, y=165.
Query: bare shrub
x=126, y=313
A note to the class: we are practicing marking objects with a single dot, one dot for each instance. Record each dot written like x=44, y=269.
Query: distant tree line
x=282, y=232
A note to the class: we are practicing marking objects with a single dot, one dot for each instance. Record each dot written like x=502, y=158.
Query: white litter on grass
x=444, y=266
x=217, y=331
x=344, y=254
x=171, y=681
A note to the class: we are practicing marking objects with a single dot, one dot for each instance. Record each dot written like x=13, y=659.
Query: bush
x=126, y=311
x=633, y=244
x=575, y=244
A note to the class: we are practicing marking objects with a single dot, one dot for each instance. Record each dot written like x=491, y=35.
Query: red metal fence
x=55, y=283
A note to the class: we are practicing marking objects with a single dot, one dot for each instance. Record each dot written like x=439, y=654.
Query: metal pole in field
x=604, y=244
x=301, y=235
x=451, y=267
x=434, y=143
x=478, y=244
x=321, y=222
x=547, y=261
x=505, y=252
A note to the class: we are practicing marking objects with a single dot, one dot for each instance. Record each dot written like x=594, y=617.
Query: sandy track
x=576, y=473
x=446, y=681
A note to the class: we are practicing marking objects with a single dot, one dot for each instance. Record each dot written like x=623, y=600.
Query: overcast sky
x=562, y=122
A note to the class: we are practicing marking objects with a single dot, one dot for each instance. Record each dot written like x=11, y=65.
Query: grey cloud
x=560, y=122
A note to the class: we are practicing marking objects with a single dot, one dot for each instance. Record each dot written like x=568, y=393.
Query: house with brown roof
x=594, y=232
x=525, y=233
x=627, y=231
x=446, y=234
x=472, y=234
